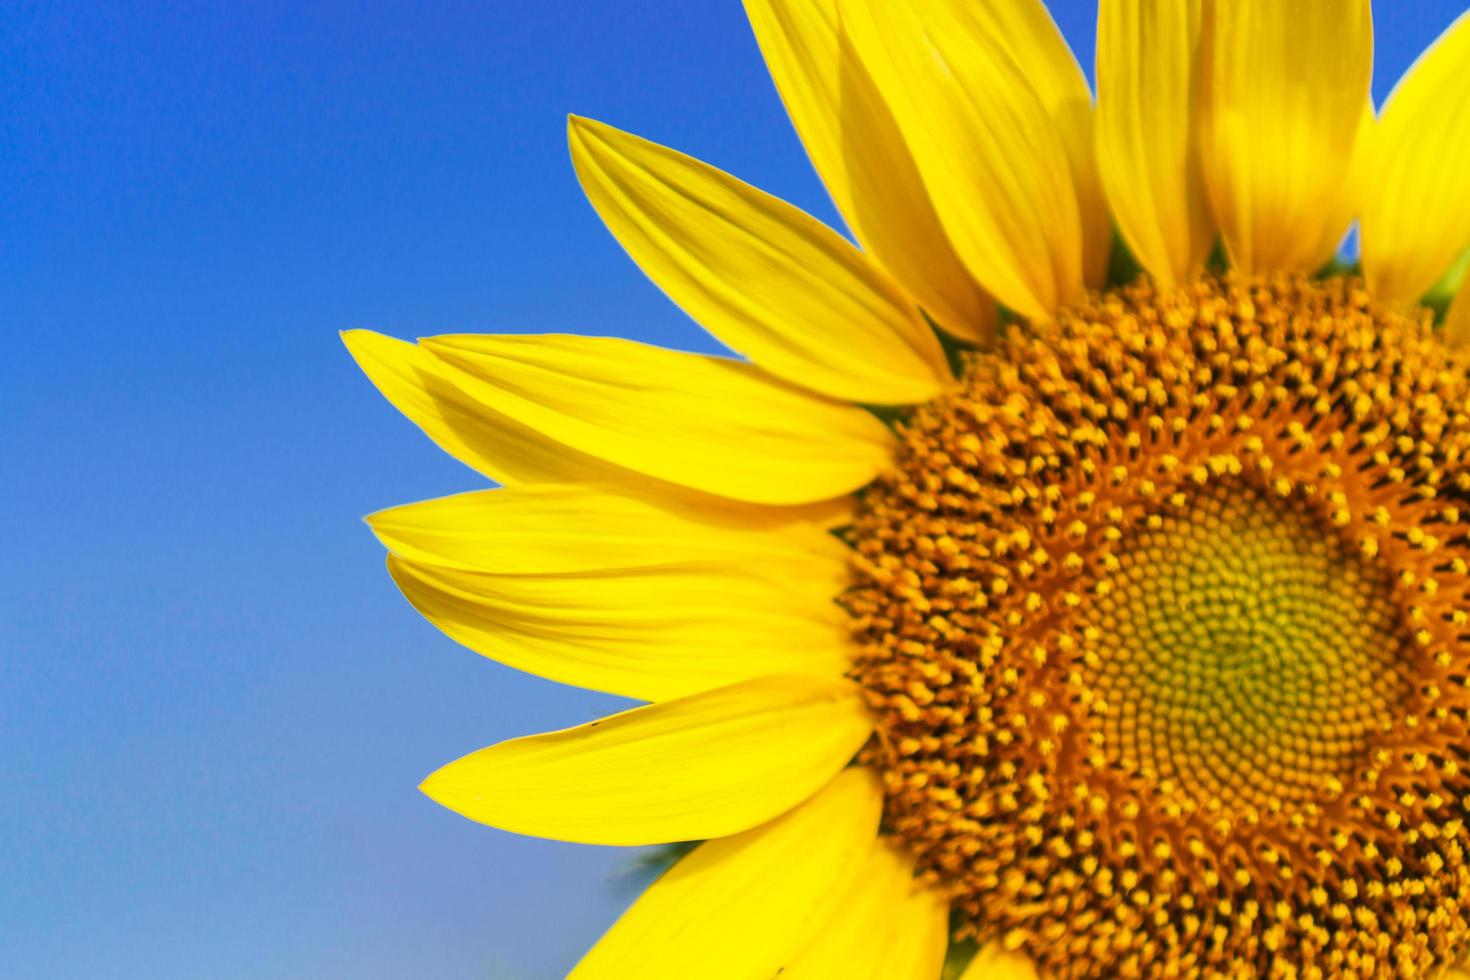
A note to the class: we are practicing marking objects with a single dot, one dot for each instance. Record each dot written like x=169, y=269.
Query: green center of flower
x=1241, y=651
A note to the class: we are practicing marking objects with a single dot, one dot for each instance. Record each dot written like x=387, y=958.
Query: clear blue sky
x=214, y=706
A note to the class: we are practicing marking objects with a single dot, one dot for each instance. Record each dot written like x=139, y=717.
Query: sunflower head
x=1075, y=566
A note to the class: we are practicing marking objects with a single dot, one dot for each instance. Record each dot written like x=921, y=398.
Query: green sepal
x=1123, y=265
x=1442, y=293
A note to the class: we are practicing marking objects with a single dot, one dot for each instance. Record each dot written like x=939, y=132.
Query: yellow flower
x=1134, y=643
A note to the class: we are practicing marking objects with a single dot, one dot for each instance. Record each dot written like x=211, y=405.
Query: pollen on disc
x=1162, y=616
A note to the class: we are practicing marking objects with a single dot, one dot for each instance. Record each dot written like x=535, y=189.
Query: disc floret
x=1161, y=613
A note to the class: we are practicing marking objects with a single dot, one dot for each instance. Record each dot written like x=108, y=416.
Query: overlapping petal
x=1048, y=65
x=496, y=445
x=889, y=925
x=861, y=156
x=741, y=906
x=985, y=143
x=652, y=596
x=1147, y=150
x=557, y=528
x=769, y=280
x=1417, y=220
x=1357, y=187
x=703, y=422
x=701, y=767
x=652, y=632
x=1281, y=95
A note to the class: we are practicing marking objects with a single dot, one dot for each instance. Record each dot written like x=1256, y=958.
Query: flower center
x=1241, y=651
x=1162, y=614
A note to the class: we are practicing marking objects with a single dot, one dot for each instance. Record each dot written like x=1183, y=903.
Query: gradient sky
x=214, y=705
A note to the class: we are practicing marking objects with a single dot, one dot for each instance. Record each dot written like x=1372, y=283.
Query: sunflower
x=1077, y=570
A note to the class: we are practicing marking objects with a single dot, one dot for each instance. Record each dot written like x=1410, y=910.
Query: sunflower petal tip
x=369, y=345
x=435, y=792
x=581, y=126
x=354, y=337
x=438, y=787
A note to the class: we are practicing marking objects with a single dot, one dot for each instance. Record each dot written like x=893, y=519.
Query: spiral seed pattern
x=1242, y=652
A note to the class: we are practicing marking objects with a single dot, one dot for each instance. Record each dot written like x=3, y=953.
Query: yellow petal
x=857, y=148
x=993, y=962
x=481, y=438
x=888, y=926
x=1047, y=63
x=1146, y=144
x=553, y=528
x=705, y=766
x=652, y=597
x=1356, y=187
x=769, y=280
x=416, y=383
x=1417, y=220
x=1282, y=88
x=1457, y=320
x=986, y=145
x=703, y=422
x=653, y=632
x=739, y=906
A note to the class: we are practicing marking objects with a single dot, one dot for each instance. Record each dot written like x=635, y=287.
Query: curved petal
x=651, y=633
x=701, y=767
x=1282, y=89
x=860, y=154
x=1047, y=62
x=703, y=422
x=1417, y=219
x=465, y=428
x=993, y=962
x=769, y=280
x=888, y=926
x=554, y=528
x=1457, y=320
x=1146, y=145
x=986, y=145
x=740, y=906
x=1356, y=188
x=419, y=386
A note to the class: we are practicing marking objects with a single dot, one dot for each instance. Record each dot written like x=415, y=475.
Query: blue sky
x=214, y=706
